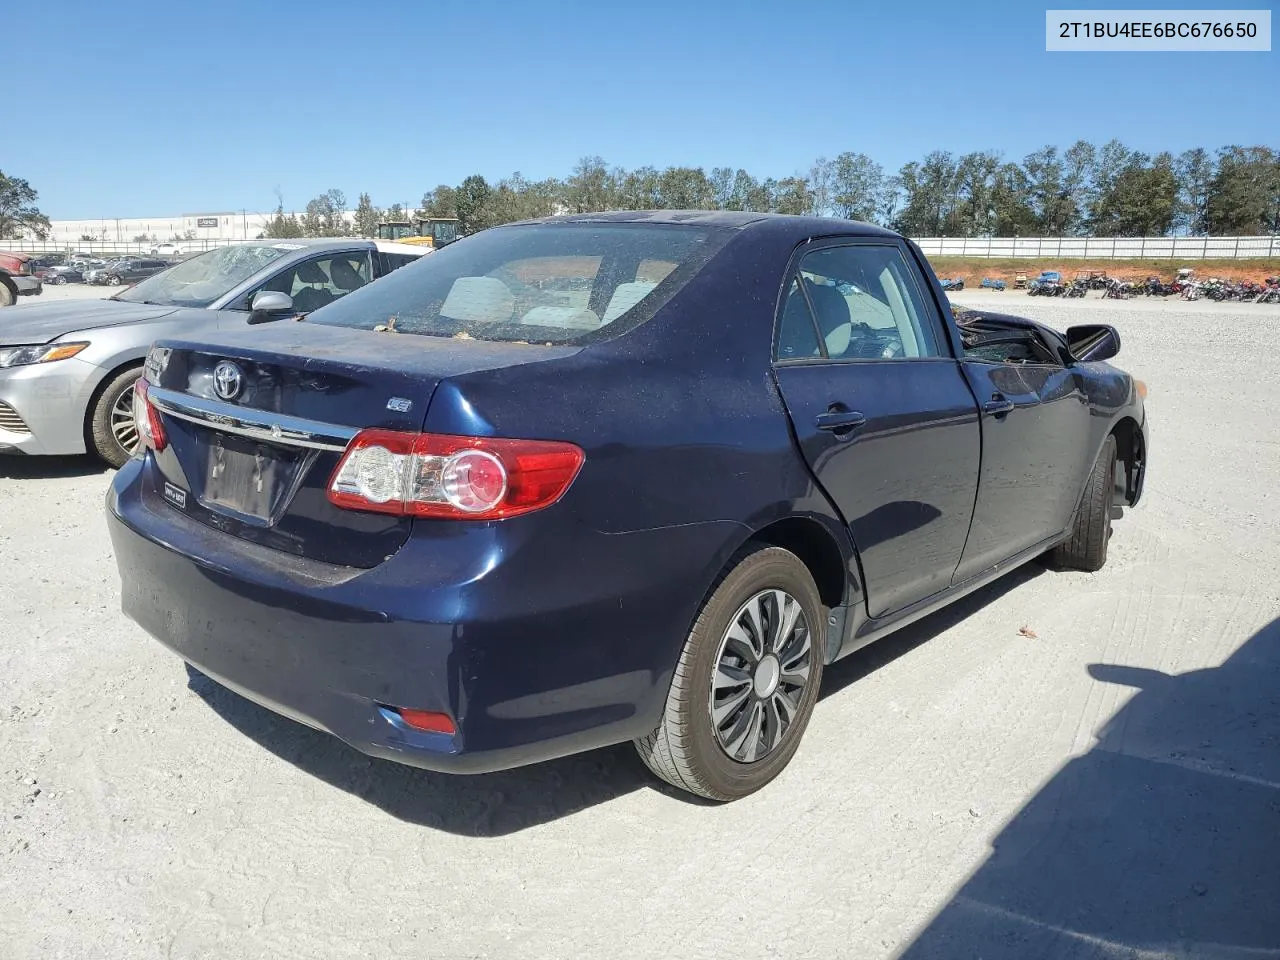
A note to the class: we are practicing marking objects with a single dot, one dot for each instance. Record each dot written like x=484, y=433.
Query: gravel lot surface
x=1062, y=765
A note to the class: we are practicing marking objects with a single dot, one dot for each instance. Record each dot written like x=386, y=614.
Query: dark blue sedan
x=611, y=477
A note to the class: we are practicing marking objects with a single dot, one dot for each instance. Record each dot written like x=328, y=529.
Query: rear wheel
x=1086, y=548
x=111, y=428
x=746, y=682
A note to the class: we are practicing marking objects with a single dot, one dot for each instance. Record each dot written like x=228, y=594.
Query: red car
x=16, y=279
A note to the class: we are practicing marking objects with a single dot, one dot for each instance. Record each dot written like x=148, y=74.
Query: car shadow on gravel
x=1161, y=841
x=494, y=804
x=478, y=805
x=50, y=468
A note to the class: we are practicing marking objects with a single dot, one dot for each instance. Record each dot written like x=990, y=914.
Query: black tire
x=684, y=749
x=102, y=438
x=7, y=295
x=1086, y=548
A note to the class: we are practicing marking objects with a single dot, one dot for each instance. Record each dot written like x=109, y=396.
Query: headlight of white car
x=38, y=353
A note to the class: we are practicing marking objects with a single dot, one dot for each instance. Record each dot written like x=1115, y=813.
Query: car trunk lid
x=257, y=423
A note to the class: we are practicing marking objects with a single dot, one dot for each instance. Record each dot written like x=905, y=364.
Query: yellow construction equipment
x=398, y=230
x=432, y=232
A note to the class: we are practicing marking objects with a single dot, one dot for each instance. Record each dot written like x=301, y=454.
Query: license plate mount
x=250, y=480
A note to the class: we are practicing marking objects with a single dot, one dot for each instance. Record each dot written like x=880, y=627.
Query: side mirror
x=1089, y=343
x=268, y=305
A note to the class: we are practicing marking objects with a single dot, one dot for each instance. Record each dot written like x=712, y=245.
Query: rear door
x=882, y=412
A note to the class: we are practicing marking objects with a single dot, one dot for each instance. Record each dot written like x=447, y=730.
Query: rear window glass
x=539, y=283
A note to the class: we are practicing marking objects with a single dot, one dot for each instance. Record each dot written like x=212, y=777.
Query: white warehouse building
x=226, y=225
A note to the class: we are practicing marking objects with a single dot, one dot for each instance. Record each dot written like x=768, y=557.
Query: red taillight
x=146, y=419
x=430, y=475
x=427, y=720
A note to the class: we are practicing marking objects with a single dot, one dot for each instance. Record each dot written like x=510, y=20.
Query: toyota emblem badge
x=227, y=380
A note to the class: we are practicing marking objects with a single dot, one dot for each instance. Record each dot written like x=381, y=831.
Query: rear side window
x=861, y=302
x=539, y=283
x=797, y=335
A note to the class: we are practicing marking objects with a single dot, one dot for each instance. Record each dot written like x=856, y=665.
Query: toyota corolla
x=607, y=478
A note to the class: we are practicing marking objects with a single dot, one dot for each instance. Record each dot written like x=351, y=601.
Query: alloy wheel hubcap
x=767, y=675
x=762, y=670
x=123, y=427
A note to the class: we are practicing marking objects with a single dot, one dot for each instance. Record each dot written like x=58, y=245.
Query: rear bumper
x=526, y=676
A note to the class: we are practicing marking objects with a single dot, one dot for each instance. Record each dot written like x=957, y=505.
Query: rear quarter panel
x=679, y=473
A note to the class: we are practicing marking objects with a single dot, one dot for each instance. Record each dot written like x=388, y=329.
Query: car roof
x=773, y=223
x=310, y=243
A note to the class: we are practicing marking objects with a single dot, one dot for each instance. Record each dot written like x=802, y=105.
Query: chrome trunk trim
x=264, y=425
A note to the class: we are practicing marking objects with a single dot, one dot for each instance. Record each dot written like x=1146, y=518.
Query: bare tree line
x=1083, y=190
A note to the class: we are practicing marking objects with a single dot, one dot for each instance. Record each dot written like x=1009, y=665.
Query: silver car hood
x=40, y=323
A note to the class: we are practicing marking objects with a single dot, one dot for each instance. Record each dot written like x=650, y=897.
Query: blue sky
x=151, y=109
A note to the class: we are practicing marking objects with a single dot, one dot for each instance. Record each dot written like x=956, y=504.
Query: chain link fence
x=104, y=248
x=1096, y=248
x=1105, y=248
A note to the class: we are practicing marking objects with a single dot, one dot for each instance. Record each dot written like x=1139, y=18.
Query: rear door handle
x=998, y=404
x=839, y=420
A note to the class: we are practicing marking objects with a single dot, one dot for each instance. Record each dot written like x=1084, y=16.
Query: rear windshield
x=539, y=283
